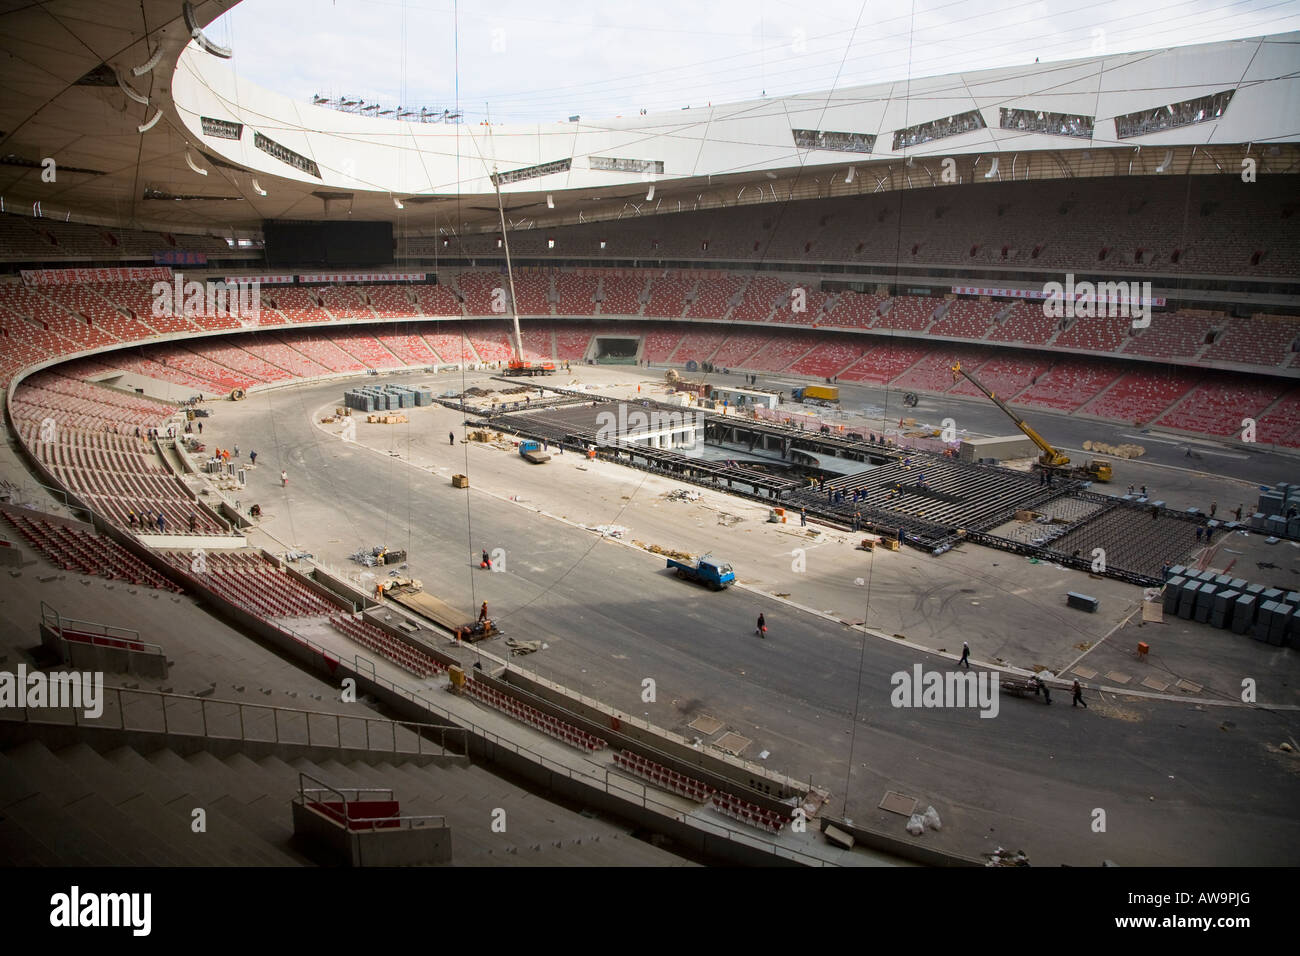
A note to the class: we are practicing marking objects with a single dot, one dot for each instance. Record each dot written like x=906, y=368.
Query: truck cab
x=708, y=570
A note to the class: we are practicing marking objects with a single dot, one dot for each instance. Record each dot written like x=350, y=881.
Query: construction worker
x=284, y=478
x=761, y=628
x=482, y=612
x=486, y=562
x=451, y=438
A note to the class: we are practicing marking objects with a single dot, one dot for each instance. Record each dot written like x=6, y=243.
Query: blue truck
x=532, y=451
x=708, y=570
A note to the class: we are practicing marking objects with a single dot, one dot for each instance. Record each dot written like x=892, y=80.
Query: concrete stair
x=78, y=807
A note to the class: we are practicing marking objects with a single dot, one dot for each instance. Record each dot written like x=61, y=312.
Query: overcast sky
x=545, y=61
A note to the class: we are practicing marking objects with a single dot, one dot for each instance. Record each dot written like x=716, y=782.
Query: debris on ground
x=1001, y=857
x=666, y=552
x=682, y=494
x=609, y=530
x=520, y=648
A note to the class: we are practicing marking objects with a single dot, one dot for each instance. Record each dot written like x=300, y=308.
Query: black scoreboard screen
x=334, y=244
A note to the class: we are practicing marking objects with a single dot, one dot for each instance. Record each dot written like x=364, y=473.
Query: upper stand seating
x=577, y=294
x=762, y=295
x=622, y=294
x=966, y=319
x=389, y=301
x=1172, y=335
x=344, y=303
x=853, y=310
x=713, y=297
x=437, y=300
x=908, y=313
x=1025, y=323
x=668, y=296
x=1261, y=340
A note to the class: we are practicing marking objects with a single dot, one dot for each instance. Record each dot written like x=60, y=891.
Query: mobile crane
x=1051, y=459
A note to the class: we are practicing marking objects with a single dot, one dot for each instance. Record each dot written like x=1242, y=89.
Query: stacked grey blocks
x=1271, y=516
x=386, y=398
x=1269, y=615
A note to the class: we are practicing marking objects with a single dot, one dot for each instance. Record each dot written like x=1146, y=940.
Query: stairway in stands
x=74, y=806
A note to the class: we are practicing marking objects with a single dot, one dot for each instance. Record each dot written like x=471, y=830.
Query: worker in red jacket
x=482, y=612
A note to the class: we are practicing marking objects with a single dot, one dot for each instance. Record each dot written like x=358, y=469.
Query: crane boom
x=1050, y=458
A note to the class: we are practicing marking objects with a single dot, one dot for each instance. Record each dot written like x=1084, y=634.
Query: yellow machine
x=1051, y=459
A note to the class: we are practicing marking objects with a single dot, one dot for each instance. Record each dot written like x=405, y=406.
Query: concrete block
x=1081, y=602
x=1279, y=624
x=1264, y=620
x=1221, y=615
x=1204, y=602
x=1173, y=588
x=1243, y=614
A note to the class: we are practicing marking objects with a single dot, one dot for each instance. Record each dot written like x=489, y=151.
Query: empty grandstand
x=589, y=348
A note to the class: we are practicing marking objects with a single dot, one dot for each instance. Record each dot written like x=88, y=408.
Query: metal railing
x=216, y=718
x=92, y=632
x=403, y=821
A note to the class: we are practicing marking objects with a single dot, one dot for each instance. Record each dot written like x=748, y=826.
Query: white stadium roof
x=78, y=91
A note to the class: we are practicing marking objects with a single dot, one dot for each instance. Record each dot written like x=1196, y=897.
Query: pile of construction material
x=1126, y=450
x=385, y=398
x=1279, y=510
x=387, y=419
x=1266, y=614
